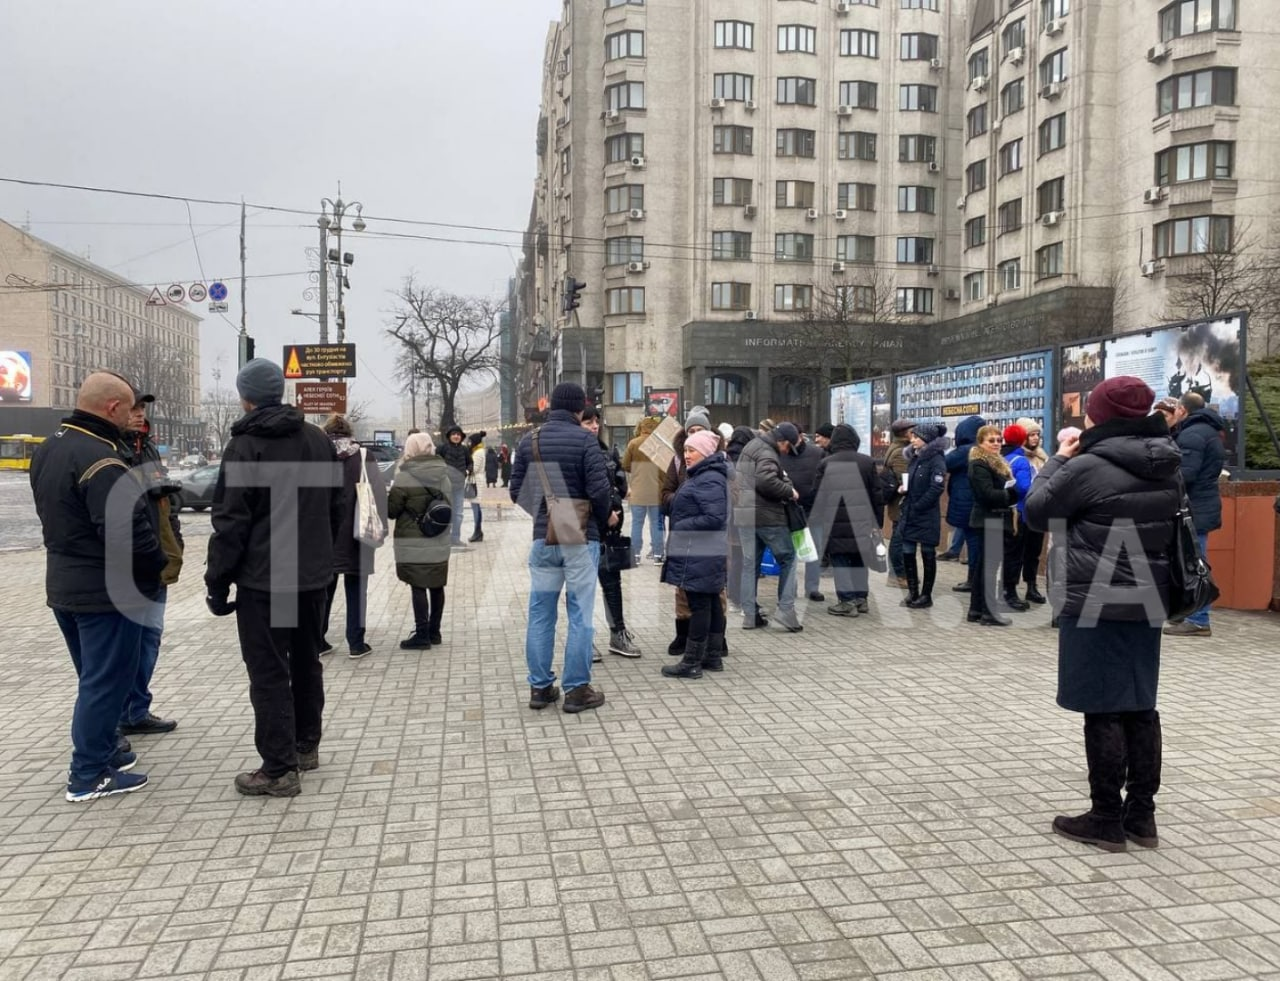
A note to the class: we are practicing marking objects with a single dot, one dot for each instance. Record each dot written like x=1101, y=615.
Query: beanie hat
x=1030, y=425
x=568, y=396
x=705, y=442
x=1014, y=435
x=698, y=416
x=725, y=430
x=766, y=425
x=1122, y=397
x=900, y=426
x=261, y=382
x=788, y=432
x=929, y=431
x=1066, y=432
x=825, y=430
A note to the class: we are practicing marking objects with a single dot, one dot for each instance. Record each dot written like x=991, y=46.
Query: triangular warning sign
x=292, y=369
x=156, y=299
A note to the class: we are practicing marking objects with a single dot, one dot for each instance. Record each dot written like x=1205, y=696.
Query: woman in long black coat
x=994, y=495
x=921, y=516
x=849, y=506
x=1117, y=489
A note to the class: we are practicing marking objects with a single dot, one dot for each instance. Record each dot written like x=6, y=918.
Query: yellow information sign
x=319, y=361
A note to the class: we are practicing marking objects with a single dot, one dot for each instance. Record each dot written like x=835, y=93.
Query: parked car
x=197, y=488
x=191, y=461
x=385, y=455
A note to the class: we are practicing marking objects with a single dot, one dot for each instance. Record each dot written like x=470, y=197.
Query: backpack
x=437, y=517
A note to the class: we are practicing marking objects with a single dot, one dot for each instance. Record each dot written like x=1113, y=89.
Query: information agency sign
x=319, y=361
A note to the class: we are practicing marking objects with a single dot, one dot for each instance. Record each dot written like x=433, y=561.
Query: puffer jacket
x=1022, y=470
x=351, y=556
x=895, y=461
x=763, y=488
x=927, y=476
x=1199, y=438
x=959, y=495
x=802, y=468
x=73, y=475
x=696, y=551
x=278, y=457
x=456, y=455
x=646, y=476
x=847, y=501
x=991, y=500
x=574, y=467
x=617, y=485
x=1118, y=496
x=417, y=556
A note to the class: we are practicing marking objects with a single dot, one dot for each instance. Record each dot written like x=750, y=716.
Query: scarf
x=994, y=460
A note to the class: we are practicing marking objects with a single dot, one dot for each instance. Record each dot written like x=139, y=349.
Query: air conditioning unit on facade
x=960, y=202
x=1050, y=218
x=843, y=8
x=837, y=267
x=812, y=214
x=1016, y=55
x=717, y=103
x=978, y=83
x=844, y=111
x=636, y=213
x=1158, y=53
x=1153, y=195
x=1149, y=269
x=935, y=64
x=611, y=115
x=749, y=210
x=748, y=315
x=637, y=162
x=840, y=214
x=1053, y=27
x=934, y=166
x=1051, y=91
x=996, y=124
x=637, y=267
x=749, y=105
x=933, y=270
x=953, y=294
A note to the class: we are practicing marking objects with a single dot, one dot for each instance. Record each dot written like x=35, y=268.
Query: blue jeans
x=355, y=587
x=456, y=480
x=1201, y=617
x=957, y=540
x=104, y=649
x=656, y=538
x=551, y=568
x=778, y=539
x=851, y=580
x=813, y=570
x=138, y=702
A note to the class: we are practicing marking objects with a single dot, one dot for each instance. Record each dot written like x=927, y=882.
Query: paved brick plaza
x=869, y=798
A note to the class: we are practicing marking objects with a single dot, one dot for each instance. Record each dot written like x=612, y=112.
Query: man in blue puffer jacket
x=959, y=496
x=574, y=467
x=1198, y=433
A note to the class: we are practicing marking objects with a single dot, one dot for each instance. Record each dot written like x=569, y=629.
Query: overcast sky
x=424, y=109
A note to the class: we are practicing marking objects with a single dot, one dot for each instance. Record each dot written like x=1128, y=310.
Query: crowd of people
x=722, y=506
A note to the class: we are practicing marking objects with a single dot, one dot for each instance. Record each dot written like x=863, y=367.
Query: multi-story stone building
x=73, y=317
x=720, y=175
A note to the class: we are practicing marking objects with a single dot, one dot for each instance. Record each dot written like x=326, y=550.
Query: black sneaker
x=415, y=642
x=258, y=784
x=108, y=783
x=582, y=698
x=325, y=648
x=149, y=725
x=540, y=698
x=817, y=597
x=358, y=652
x=435, y=637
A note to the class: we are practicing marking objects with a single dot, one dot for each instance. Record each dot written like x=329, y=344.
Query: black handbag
x=615, y=553
x=796, y=519
x=876, y=557
x=1191, y=585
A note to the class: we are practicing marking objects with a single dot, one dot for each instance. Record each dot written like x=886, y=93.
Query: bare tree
x=446, y=338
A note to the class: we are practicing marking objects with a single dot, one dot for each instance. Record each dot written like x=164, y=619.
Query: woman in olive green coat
x=421, y=562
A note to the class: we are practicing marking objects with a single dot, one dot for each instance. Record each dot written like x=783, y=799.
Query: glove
x=218, y=604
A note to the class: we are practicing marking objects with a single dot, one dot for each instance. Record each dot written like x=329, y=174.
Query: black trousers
x=1014, y=543
x=280, y=638
x=428, y=612
x=611, y=585
x=707, y=616
x=1032, y=546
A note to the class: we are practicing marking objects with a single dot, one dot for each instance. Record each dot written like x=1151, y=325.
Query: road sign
x=221, y=307
x=156, y=299
x=317, y=397
x=320, y=361
x=176, y=293
x=197, y=292
x=217, y=291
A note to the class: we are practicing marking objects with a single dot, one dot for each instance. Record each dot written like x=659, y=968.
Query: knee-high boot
x=930, y=561
x=1144, y=745
x=912, y=571
x=1106, y=751
x=690, y=665
x=713, y=660
x=676, y=647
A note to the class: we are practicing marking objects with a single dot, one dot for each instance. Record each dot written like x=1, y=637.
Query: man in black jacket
x=276, y=510
x=574, y=470
x=801, y=465
x=457, y=455
x=103, y=563
x=763, y=491
x=1198, y=432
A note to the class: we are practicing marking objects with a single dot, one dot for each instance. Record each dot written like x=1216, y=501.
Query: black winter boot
x=713, y=660
x=676, y=647
x=925, y=600
x=1105, y=750
x=690, y=665
x=912, y=571
x=1143, y=742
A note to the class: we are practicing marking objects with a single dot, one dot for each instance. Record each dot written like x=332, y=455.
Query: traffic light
x=246, y=349
x=572, y=287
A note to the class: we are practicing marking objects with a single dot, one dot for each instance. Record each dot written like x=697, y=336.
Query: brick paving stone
x=837, y=804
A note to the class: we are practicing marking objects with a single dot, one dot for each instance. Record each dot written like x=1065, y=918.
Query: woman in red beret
x=1116, y=490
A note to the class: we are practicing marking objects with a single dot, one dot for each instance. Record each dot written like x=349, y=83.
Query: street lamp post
x=331, y=215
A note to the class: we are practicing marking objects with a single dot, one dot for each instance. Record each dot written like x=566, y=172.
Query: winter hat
x=705, y=442
x=1122, y=397
x=568, y=396
x=788, y=432
x=825, y=430
x=419, y=444
x=1014, y=435
x=929, y=431
x=1166, y=405
x=261, y=382
x=698, y=416
x=1030, y=425
x=766, y=425
x=725, y=430
x=1066, y=432
x=901, y=426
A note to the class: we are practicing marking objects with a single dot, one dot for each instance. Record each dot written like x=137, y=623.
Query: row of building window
x=852, y=145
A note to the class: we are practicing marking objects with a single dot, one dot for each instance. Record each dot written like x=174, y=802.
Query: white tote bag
x=368, y=527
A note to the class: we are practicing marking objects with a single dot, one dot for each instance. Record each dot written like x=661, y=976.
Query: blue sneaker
x=124, y=761
x=107, y=784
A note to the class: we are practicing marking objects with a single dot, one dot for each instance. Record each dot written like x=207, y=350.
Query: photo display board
x=15, y=376
x=867, y=406
x=1001, y=390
